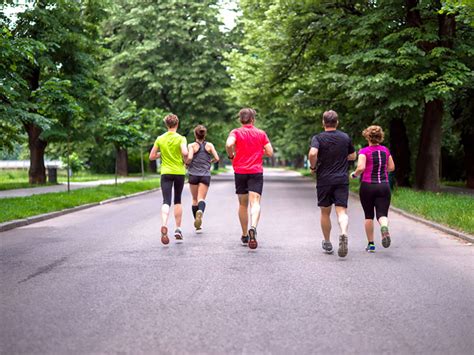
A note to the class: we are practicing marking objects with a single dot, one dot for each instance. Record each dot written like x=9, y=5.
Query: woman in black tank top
x=201, y=155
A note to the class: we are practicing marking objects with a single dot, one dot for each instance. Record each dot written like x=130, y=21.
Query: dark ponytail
x=200, y=132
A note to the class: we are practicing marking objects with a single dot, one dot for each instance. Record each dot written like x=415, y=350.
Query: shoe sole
x=164, y=235
x=386, y=242
x=253, y=244
x=198, y=220
x=342, y=251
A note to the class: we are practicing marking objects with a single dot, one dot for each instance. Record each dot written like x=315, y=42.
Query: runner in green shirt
x=172, y=148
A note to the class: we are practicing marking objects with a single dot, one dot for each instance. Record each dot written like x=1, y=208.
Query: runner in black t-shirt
x=329, y=157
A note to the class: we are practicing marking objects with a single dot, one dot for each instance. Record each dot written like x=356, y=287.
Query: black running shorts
x=333, y=195
x=248, y=182
x=196, y=180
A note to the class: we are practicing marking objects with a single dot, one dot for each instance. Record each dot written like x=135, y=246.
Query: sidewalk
x=62, y=187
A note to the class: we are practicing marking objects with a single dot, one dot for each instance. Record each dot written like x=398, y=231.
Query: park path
x=62, y=187
x=99, y=281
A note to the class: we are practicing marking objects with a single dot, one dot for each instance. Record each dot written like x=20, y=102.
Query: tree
x=64, y=70
x=168, y=55
x=373, y=62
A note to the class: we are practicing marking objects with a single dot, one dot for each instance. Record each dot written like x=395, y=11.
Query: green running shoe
x=370, y=248
x=386, y=241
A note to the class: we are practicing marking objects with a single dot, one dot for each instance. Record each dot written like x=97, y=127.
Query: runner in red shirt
x=246, y=147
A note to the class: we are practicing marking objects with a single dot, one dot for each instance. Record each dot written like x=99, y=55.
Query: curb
x=43, y=217
x=467, y=237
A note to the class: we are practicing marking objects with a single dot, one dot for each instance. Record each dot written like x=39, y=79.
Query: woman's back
x=201, y=163
x=377, y=157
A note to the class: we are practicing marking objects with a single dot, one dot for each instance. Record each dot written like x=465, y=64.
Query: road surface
x=99, y=281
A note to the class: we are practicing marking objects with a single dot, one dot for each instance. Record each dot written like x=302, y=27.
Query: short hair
x=374, y=134
x=171, y=121
x=330, y=119
x=247, y=115
x=200, y=132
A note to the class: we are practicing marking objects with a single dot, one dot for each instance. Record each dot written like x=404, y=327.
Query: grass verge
x=22, y=207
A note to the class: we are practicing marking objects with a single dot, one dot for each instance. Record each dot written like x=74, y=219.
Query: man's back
x=249, y=143
x=333, y=149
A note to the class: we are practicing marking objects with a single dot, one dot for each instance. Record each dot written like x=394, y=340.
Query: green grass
x=454, y=183
x=218, y=171
x=22, y=207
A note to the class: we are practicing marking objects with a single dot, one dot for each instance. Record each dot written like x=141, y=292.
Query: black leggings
x=375, y=196
x=167, y=181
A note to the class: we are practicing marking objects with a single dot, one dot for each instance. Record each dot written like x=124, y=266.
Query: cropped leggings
x=167, y=183
x=375, y=197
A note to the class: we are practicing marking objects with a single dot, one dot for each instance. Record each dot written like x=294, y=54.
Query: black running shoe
x=253, y=238
x=327, y=247
x=245, y=240
x=178, y=235
x=386, y=241
x=342, y=251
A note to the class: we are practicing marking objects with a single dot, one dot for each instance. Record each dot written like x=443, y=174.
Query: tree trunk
x=122, y=162
x=467, y=139
x=299, y=162
x=152, y=164
x=400, y=150
x=37, y=172
x=429, y=153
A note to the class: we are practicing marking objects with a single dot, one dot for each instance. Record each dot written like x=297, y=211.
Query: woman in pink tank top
x=373, y=166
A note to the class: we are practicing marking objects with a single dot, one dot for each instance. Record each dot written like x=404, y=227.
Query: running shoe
x=342, y=251
x=327, y=247
x=198, y=220
x=253, y=238
x=164, y=235
x=385, y=237
x=199, y=231
x=245, y=240
x=178, y=235
x=370, y=248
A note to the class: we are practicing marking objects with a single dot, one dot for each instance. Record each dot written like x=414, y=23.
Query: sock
x=202, y=205
x=195, y=209
x=371, y=243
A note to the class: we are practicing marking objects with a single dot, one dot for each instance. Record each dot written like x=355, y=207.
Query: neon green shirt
x=169, y=145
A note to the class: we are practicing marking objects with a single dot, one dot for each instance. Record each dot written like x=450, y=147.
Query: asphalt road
x=99, y=281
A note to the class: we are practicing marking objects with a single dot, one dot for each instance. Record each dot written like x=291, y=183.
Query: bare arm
x=391, y=164
x=268, y=150
x=190, y=154
x=313, y=158
x=155, y=153
x=184, y=151
x=360, y=166
x=213, y=152
x=229, y=147
x=352, y=156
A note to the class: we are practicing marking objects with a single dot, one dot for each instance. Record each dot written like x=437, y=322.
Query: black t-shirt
x=333, y=149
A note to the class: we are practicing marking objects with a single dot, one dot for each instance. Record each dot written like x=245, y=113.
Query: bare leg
x=342, y=218
x=254, y=208
x=202, y=192
x=194, y=193
x=369, y=230
x=243, y=212
x=178, y=214
x=326, y=222
x=165, y=211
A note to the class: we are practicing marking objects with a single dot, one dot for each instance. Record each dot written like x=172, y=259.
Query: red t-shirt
x=249, y=143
